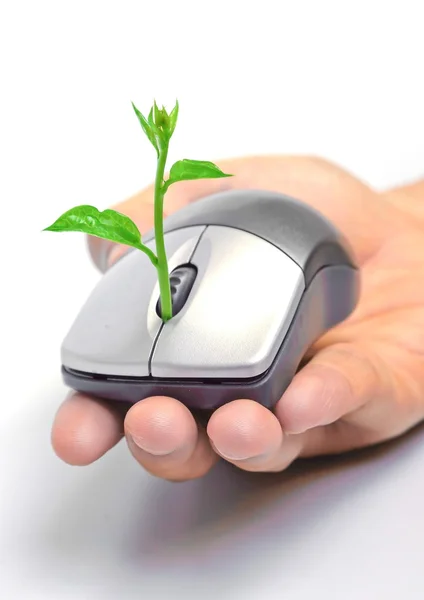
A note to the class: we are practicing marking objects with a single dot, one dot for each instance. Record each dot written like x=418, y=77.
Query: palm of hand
x=362, y=383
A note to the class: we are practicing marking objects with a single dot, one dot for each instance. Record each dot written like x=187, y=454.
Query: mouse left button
x=115, y=330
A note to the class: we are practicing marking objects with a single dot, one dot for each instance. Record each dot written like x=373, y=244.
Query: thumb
x=338, y=380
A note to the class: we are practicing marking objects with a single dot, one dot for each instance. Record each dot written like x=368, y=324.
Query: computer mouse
x=256, y=278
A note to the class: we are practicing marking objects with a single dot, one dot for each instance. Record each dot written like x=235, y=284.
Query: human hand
x=362, y=383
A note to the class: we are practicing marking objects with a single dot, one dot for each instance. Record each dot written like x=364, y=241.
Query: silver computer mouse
x=256, y=278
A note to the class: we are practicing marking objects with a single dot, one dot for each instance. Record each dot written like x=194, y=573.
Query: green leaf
x=148, y=128
x=173, y=116
x=186, y=169
x=161, y=117
x=109, y=225
x=150, y=117
x=156, y=114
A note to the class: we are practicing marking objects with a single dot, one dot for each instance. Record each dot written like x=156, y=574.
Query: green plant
x=116, y=227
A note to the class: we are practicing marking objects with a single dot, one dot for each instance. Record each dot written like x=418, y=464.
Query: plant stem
x=149, y=253
x=162, y=261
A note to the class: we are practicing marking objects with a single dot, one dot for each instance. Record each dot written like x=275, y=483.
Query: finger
x=308, y=419
x=338, y=380
x=85, y=429
x=249, y=436
x=165, y=439
x=346, y=201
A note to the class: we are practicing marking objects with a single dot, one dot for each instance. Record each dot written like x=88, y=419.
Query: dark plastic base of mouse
x=317, y=312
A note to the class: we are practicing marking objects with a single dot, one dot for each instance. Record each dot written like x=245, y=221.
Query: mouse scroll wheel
x=181, y=280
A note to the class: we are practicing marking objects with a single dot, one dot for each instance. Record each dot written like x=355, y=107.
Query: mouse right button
x=243, y=300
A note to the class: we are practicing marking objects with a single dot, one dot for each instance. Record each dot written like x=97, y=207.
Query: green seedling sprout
x=116, y=227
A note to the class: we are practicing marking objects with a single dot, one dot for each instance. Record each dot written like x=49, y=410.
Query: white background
x=340, y=79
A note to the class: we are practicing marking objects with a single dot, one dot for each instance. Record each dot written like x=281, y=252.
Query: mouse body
x=256, y=278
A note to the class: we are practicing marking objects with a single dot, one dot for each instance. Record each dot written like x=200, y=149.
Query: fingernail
x=155, y=451
x=231, y=455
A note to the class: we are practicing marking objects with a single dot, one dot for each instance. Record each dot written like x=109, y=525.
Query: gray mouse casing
x=272, y=275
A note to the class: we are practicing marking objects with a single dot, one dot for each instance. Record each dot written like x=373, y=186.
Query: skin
x=361, y=384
